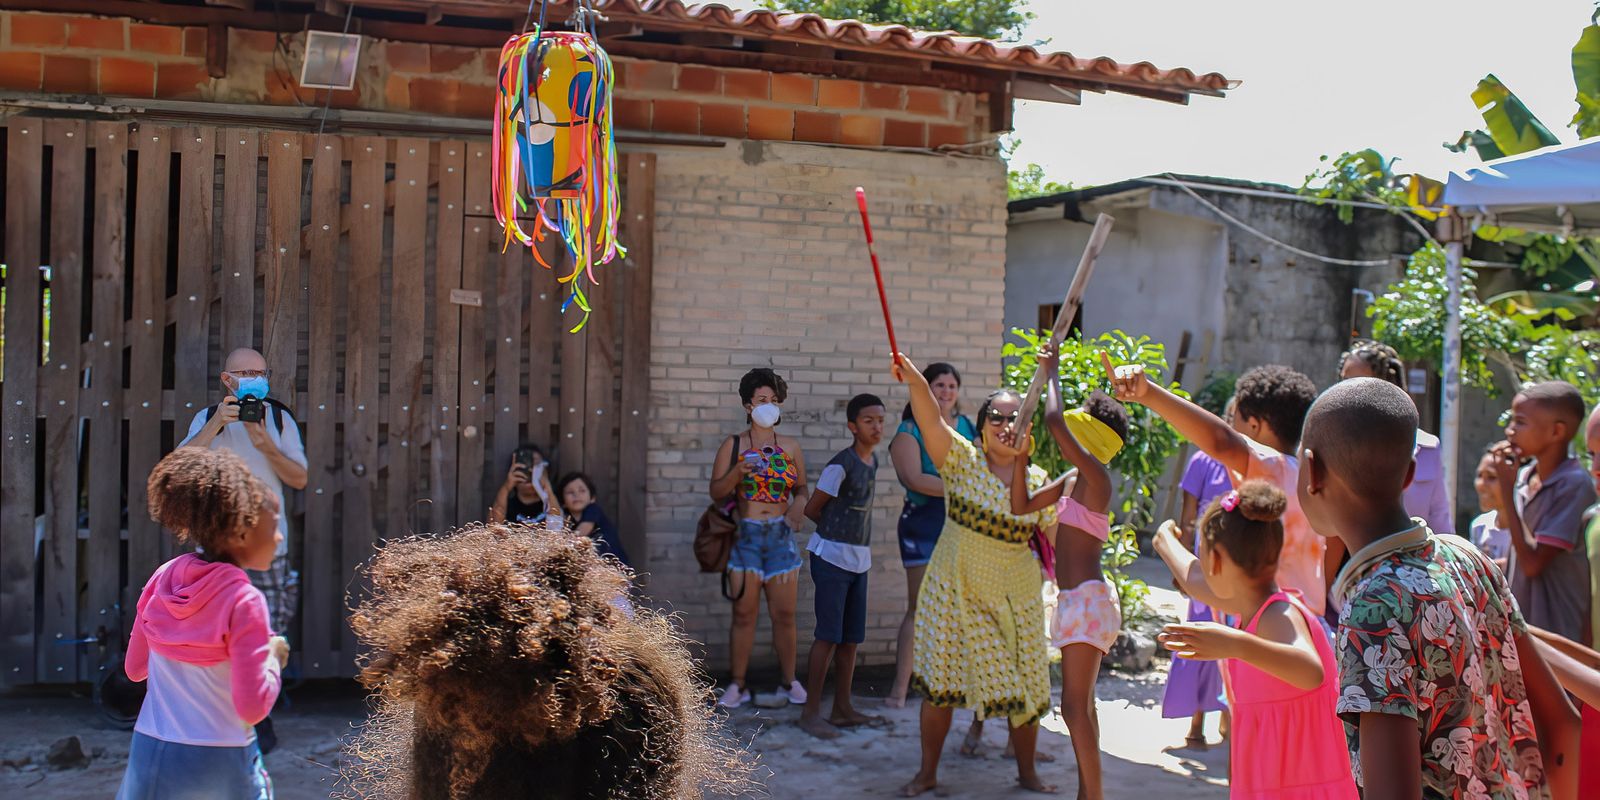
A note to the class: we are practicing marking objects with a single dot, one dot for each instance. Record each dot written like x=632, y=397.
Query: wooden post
x=1069, y=309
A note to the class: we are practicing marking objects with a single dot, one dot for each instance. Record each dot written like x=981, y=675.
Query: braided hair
x=1382, y=359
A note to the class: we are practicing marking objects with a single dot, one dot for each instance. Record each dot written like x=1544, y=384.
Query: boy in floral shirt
x=1439, y=697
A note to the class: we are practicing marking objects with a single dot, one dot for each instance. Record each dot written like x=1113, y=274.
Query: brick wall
x=760, y=262
x=82, y=55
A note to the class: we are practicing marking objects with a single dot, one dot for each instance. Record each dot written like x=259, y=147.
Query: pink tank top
x=1288, y=744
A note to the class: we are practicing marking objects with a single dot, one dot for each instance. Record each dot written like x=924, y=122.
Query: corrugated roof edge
x=1149, y=181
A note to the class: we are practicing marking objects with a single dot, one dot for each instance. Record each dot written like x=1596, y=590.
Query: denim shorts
x=841, y=602
x=919, y=529
x=162, y=770
x=765, y=547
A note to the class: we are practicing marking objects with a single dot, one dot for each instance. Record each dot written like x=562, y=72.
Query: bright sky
x=1318, y=78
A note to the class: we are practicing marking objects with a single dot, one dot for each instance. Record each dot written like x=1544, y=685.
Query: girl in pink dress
x=1279, y=668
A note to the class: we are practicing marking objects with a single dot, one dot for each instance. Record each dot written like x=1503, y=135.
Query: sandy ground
x=1136, y=742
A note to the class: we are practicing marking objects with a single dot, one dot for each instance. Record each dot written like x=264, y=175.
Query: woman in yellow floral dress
x=979, y=644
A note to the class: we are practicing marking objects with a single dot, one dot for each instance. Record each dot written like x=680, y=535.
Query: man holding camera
x=261, y=431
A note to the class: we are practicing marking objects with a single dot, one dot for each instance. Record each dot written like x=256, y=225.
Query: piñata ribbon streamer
x=555, y=152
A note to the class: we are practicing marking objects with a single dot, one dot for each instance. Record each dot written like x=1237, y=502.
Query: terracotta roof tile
x=948, y=46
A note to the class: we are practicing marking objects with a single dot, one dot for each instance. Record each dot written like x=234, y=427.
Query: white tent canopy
x=1552, y=190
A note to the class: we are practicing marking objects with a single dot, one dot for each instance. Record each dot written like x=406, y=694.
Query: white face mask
x=766, y=415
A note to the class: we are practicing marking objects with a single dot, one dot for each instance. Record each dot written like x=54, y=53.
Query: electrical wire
x=327, y=102
x=1236, y=222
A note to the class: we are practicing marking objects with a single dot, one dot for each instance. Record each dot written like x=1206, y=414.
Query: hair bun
x=1260, y=501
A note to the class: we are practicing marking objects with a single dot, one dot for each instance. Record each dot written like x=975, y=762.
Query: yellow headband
x=1095, y=436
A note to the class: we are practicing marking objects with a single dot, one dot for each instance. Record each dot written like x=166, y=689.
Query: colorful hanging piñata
x=554, y=151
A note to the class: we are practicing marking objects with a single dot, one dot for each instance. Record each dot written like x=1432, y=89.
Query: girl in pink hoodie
x=201, y=636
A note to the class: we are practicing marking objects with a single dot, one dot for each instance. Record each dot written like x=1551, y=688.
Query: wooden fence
x=415, y=354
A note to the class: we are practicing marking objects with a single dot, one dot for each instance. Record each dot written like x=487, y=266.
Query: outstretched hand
x=1128, y=382
x=1200, y=641
x=1049, y=359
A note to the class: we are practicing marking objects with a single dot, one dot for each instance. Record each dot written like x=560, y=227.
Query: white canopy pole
x=1451, y=232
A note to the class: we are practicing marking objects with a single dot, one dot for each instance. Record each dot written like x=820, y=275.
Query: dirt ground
x=1137, y=745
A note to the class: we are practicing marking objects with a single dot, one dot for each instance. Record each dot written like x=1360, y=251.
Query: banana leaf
x=1586, y=77
x=1514, y=128
x=1479, y=141
x=1530, y=304
x=1423, y=194
x=1586, y=62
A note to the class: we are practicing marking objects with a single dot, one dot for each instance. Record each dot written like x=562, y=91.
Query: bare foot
x=1040, y=755
x=972, y=745
x=1033, y=784
x=851, y=718
x=1196, y=743
x=918, y=786
x=894, y=702
x=818, y=727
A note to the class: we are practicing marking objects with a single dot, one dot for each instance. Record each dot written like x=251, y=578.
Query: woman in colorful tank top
x=979, y=641
x=765, y=473
x=923, y=515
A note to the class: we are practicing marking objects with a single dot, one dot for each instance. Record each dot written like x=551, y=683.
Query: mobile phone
x=250, y=409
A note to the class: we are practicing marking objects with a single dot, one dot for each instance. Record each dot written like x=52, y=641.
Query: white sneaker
x=796, y=693
x=734, y=696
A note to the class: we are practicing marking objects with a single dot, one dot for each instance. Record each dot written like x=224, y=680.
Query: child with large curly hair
x=507, y=663
x=201, y=635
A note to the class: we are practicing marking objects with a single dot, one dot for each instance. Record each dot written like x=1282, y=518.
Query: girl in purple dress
x=1194, y=688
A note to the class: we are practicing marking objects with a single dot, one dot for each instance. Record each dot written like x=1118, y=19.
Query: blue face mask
x=251, y=387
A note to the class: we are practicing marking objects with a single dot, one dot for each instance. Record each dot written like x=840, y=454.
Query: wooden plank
x=58, y=663
x=407, y=331
x=146, y=338
x=192, y=378
x=574, y=381
x=101, y=402
x=24, y=193
x=323, y=575
x=544, y=341
x=365, y=286
x=471, y=480
x=510, y=272
x=446, y=334
x=284, y=285
x=599, y=418
x=637, y=270
x=238, y=277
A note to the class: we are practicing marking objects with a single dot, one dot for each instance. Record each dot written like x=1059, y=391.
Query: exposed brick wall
x=73, y=54
x=760, y=262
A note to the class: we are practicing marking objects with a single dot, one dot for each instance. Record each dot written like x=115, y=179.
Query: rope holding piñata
x=554, y=148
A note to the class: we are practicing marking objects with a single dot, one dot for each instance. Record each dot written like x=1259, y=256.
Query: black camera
x=251, y=409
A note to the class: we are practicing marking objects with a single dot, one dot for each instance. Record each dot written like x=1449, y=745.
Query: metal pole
x=1450, y=230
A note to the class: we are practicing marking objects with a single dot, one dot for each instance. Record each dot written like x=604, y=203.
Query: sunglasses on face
x=250, y=373
x=996, y=416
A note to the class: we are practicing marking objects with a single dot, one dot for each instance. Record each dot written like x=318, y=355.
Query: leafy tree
x=1362, y=176
x=1142, y=462
x=989, y=19
x=1410, y=318
x=1030, y=180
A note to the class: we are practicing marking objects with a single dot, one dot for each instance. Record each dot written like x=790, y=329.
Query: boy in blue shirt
x=841, y=554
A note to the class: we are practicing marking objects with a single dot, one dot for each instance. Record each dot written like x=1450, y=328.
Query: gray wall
x=1159, y=275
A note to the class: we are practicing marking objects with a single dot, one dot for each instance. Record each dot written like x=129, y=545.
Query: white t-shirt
x=849, y=557
x=235, y=438
x=1493, y=540
x=193, y=704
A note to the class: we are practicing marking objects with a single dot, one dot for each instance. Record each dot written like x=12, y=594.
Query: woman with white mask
x=765, y=474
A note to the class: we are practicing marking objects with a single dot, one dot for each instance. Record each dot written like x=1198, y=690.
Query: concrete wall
x=760, y=262
x=1159, y=275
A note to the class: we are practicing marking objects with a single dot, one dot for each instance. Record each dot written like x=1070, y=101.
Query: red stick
x=883, y=297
